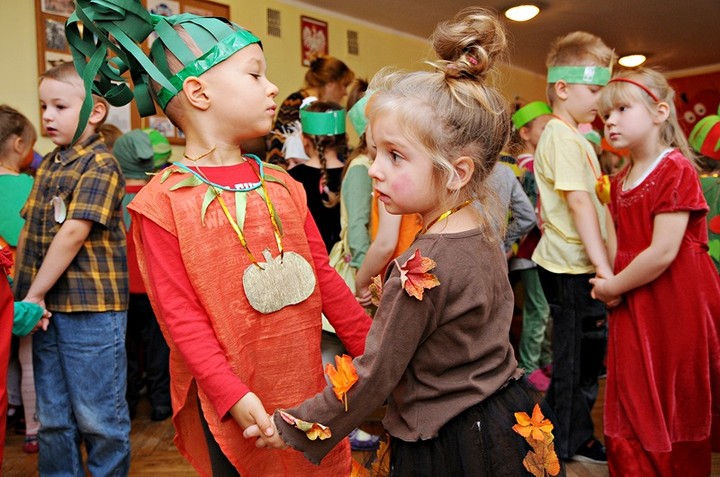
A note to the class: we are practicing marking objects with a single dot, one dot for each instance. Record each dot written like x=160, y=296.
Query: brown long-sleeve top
x=431, y=359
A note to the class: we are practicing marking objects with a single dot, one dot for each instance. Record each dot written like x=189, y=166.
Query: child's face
x=629, y=126
x=535, y=129
x=582, y=101
x=60, y=103
x=243, y=97
x=402, y=170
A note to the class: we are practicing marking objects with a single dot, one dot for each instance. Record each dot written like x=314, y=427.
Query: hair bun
x=469, y=44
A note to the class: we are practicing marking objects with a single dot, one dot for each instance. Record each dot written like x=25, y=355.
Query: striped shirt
x=87, y=180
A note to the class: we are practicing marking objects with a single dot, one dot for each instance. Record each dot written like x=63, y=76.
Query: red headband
x=639, y=85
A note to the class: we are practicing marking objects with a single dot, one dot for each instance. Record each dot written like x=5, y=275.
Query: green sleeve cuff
x=26, y=317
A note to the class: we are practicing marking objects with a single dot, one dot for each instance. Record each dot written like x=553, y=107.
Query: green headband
x=129, y=24
x=357, y=116
x=529, y=112
x=328, y=123
x=597, y=75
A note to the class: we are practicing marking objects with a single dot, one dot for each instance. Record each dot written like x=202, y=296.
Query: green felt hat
x=121, y=26
x=595, y=75
x=529, y=112
x=705, y=137
x=357, y=116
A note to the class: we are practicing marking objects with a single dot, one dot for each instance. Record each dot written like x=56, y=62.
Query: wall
x=18, y=82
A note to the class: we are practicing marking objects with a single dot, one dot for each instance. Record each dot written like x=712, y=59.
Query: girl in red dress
x=662, y=402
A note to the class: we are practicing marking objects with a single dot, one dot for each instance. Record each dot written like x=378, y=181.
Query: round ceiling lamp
x=522, y=13
x=631, y=61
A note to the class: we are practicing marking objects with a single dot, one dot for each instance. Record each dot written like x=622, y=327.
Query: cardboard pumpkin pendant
x=278, y=282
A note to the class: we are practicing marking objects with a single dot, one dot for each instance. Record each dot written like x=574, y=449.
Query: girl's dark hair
x=327, y=69
x=14, y=123
x=337, y=143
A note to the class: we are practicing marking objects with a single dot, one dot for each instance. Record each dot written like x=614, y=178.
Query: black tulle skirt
x=479, y=442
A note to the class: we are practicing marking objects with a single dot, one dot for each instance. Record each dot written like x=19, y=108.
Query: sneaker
x=362, y=441
x=539, y=380
x=30, y=446
x=592, y=451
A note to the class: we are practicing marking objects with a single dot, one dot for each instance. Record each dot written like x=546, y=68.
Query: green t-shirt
x=14, y=191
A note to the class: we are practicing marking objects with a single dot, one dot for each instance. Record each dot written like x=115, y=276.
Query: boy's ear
x=98, y=114
x=524, y=133
x=464, y=167
x=194, y=89
x=561, y=89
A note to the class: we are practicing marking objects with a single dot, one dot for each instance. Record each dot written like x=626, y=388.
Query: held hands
x=249, y=411
x=45, y=318
x=601, y=291
x=272, y=441
x=364, y=297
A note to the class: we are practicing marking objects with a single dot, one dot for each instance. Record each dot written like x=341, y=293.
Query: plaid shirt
x=88, y=180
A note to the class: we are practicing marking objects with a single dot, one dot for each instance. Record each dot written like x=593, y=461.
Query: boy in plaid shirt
x=72, y=261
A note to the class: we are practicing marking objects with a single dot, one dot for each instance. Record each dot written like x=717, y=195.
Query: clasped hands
x=250, y=413
x=600, y=290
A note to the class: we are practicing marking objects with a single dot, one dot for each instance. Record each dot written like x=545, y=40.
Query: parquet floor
x=153, y=452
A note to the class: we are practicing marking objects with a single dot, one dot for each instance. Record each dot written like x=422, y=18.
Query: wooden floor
x=153, y=452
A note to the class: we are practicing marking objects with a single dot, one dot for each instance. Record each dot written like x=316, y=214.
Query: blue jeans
x=579, y=340
x=80, y=379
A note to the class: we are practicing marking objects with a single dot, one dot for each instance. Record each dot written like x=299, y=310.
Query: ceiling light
x=631, y=61
x=522, y=13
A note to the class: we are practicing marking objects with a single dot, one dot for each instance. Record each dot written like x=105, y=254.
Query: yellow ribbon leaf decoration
x=542, y=460
x=376, y=288
x=313, y=430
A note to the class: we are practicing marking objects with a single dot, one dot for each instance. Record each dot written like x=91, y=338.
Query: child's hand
x=600, y=291
x=44, y=321
x=364, y=297
x=273, y=442
x=249, y=411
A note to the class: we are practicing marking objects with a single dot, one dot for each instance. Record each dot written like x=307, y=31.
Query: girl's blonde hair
x=13, y=123
x=453, y=111
x=617, y=93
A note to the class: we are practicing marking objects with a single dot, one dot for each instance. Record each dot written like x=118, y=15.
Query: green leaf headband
x=529, y=112
x=357, y=116
x=129, y=23
x=327, y=123
x=597, y=75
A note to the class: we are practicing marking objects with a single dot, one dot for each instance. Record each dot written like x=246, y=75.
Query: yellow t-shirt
x=564, y=161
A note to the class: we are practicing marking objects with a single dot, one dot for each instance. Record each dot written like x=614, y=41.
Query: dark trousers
x=579, y=341
x=148, y=351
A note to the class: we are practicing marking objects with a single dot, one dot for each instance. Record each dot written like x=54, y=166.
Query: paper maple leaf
x=313, y=430
x=342, y=378
x=414, y=276
x=542, y=460
x=376, y=289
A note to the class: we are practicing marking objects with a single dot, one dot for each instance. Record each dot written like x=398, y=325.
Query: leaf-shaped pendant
x=59, y=208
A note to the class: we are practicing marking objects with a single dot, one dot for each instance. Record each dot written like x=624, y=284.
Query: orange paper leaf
x=414, y=275
x=313, y=430
x=537, y=431
x=376, y=288
x=343, y=377
x=357, y=470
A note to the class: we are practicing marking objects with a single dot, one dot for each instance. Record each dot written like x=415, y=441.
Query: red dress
x=662, y=401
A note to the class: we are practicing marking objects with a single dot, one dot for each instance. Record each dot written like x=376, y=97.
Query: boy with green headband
x=572, y=247
x=234, y=266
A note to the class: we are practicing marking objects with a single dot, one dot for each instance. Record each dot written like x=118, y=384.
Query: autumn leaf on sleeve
x=414, y=276
x=313, y=430
x=376, y=289
x=342, y=378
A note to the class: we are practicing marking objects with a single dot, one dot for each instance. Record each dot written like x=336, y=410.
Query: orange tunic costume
x=277, y=355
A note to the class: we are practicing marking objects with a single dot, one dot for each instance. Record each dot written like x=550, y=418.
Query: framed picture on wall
x=313, y=38
x=52, y=49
